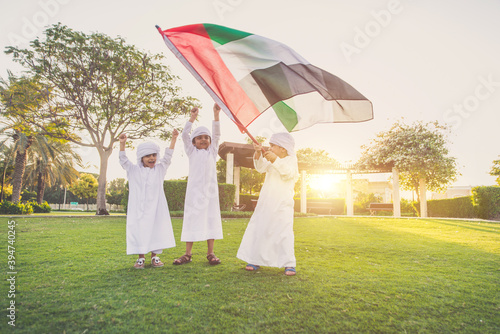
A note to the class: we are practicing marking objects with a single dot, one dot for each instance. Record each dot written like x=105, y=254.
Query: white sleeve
x=186, y=138
x=124, y=161
x=261, y=165
x=287, y=167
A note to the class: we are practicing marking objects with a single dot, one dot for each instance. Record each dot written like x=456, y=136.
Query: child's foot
x=139, y=264
x=212, y=259
x=183, y=259
x=155, y=262
x=251, y=267
x=290, y=271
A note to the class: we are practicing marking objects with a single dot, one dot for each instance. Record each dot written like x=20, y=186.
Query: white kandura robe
x=269, y=239
x=202, y=220
x=149, y=228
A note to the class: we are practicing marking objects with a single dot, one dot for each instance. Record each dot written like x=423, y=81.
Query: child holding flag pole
x=269, y=238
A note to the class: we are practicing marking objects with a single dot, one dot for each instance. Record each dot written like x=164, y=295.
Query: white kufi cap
x=285, y=140
x=146, y=148
x=201, y=130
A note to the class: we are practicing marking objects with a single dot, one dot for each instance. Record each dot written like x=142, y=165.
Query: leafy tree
x=419, y=151
x=85, y=187
x=57, y=193
x=116, y=191
x=495, y=170
x=100, y=87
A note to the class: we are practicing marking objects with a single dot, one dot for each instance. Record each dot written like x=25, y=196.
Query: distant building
x=379, y=188
x=452, y=192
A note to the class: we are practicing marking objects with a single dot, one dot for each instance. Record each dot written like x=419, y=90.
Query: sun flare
x=324, y=182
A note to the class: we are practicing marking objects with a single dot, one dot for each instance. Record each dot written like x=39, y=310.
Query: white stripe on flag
x=256, y=52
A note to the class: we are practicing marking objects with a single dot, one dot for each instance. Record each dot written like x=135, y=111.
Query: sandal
x=139, y=264
x=183, y=259
x=155, y=262
x=290, y=271
x=251, y=267
x=212, y=259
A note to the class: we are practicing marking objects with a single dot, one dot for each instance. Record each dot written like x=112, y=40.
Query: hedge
x=247, y=200
x=9, y=208
x=459, y=207
x=487, y=202
x=175, y=191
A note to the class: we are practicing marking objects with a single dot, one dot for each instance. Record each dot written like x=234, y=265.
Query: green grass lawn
x=354, y=275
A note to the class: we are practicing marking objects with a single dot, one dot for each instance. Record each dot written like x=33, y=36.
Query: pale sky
x=417, y=60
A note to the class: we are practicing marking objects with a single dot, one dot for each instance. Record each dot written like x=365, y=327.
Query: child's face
x=149, y=160
x=278, y=150
x=202, y=142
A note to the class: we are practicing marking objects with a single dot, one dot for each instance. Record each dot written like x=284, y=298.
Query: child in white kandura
x=268, y=239
x=149, y=228
x=202, y=219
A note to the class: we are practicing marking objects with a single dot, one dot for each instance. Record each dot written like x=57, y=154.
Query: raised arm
x=175, y=134
x=124, y=161
x=188, y=146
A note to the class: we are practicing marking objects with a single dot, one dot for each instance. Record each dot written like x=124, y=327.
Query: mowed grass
x=354, y=275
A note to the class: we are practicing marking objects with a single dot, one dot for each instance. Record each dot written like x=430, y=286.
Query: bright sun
x=323, y=182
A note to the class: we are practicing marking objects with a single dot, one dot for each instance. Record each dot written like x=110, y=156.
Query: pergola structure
x=241, y=155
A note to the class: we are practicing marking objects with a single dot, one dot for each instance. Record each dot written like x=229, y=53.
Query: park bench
x=319, y=206
x=380, y=207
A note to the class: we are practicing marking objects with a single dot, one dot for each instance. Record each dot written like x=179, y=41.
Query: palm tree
x=19, y=97
x=46, y=169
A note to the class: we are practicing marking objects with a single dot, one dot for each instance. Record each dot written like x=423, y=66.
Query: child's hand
x=175, y=133
x=216, y=111
x=257, y=147
x=216, y=108
x=270, y=156
x=194, y=114
x=123, y=138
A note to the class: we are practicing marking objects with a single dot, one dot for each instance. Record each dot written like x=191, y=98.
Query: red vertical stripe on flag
x=196, y=46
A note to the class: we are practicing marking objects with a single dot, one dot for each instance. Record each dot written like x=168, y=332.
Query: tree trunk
x=423, y=198
x=101, y=189
x=19, y=167
x=40, y=187
x=17, y=180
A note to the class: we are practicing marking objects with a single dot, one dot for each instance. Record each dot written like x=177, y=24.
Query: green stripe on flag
x=286, y=115
x=223, y=35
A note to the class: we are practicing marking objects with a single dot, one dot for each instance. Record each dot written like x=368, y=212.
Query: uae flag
x=247, y=74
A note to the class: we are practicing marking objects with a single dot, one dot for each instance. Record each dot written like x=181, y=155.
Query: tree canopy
x=418, y=151
x=85, y=187
x=96, y=87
